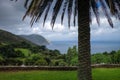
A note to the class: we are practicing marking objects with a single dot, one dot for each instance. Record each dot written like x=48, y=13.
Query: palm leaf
x=75, y=12
x=64, y=9
x=56, y=10
x=47, y=10
x=70, y=4
x=41, y=8
x=95, y=10
x=26, y=3
x=106, y=13
x=37, y=7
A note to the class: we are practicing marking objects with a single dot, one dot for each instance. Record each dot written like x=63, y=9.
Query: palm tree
x=82, y=12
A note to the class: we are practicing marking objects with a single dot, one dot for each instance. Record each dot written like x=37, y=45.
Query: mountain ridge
x=35, y=38
x=8, y=38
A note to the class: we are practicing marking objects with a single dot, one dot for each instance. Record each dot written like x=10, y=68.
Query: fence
x=56, y=68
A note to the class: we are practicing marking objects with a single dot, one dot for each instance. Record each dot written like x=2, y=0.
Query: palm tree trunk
x=84, y=60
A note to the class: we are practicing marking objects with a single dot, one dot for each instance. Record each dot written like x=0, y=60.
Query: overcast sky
x=11, y=14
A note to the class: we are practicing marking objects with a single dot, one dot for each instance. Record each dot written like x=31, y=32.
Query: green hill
x=9, y=38
x=15, y=50
x=36, y=39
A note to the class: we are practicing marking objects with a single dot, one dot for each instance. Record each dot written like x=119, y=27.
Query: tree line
x=29, y=55
x=112, y=57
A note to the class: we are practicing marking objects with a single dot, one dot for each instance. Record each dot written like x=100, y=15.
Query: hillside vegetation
x=8, y=38
x=98, y=74
x=29, y=55
x=17, y=51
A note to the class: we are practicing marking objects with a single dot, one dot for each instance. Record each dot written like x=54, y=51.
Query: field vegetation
x=98, y=74
x=32, y=55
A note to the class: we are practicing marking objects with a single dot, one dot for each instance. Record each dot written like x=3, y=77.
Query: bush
x=59, y=62
x=1, y=60
x=11, y=61
x=29, y=61
x=41, y=62
x=62, y=63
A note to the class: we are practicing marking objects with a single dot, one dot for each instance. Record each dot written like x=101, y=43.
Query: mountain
x=8, y=38
x=37, y=39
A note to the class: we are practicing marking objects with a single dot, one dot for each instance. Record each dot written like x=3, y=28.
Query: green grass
x=26, y=52
x=106, y=74
x=98, y=74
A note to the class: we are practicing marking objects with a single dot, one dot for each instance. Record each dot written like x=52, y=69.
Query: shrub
x=41, y=62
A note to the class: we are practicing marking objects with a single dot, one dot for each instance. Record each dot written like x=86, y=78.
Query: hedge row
x=58, y=68
x=27, y=68
x=106, y=66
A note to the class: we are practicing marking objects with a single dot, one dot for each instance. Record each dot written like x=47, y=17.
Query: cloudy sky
x=11, y=14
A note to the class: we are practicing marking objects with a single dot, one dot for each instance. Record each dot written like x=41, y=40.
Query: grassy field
x=26, y=52
x=98, y=74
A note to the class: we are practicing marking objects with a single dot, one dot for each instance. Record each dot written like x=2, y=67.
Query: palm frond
x=75, y=11
x=70, y=5
x=26, y=3
x=56, y=10
x=106, y=13
x=111, y=5
x=28, y=10
x=41, y=8
x=64, y=9
x=95, y=10
x=47, y=10
x=114, y=6
x=38, y=7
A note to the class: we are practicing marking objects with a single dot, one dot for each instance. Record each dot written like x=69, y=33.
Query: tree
x=69, y=56
x=82, y=9
x=1, y=60
x=75, y=52
x=117, y=57
x=112, y=54
x=41, y=62
x=98, y=58
x=48, y=60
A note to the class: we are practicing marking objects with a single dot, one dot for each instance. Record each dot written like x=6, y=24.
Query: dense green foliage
x=16, y=51
x=27, y=54
x=8, y=37
x=98, y=74
x=112, y=57
x=72, y=56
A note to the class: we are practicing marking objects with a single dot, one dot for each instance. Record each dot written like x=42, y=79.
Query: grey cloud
x=11, y=14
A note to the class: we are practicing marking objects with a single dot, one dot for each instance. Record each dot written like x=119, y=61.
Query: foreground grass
x=106, y=74
x=98, y=74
